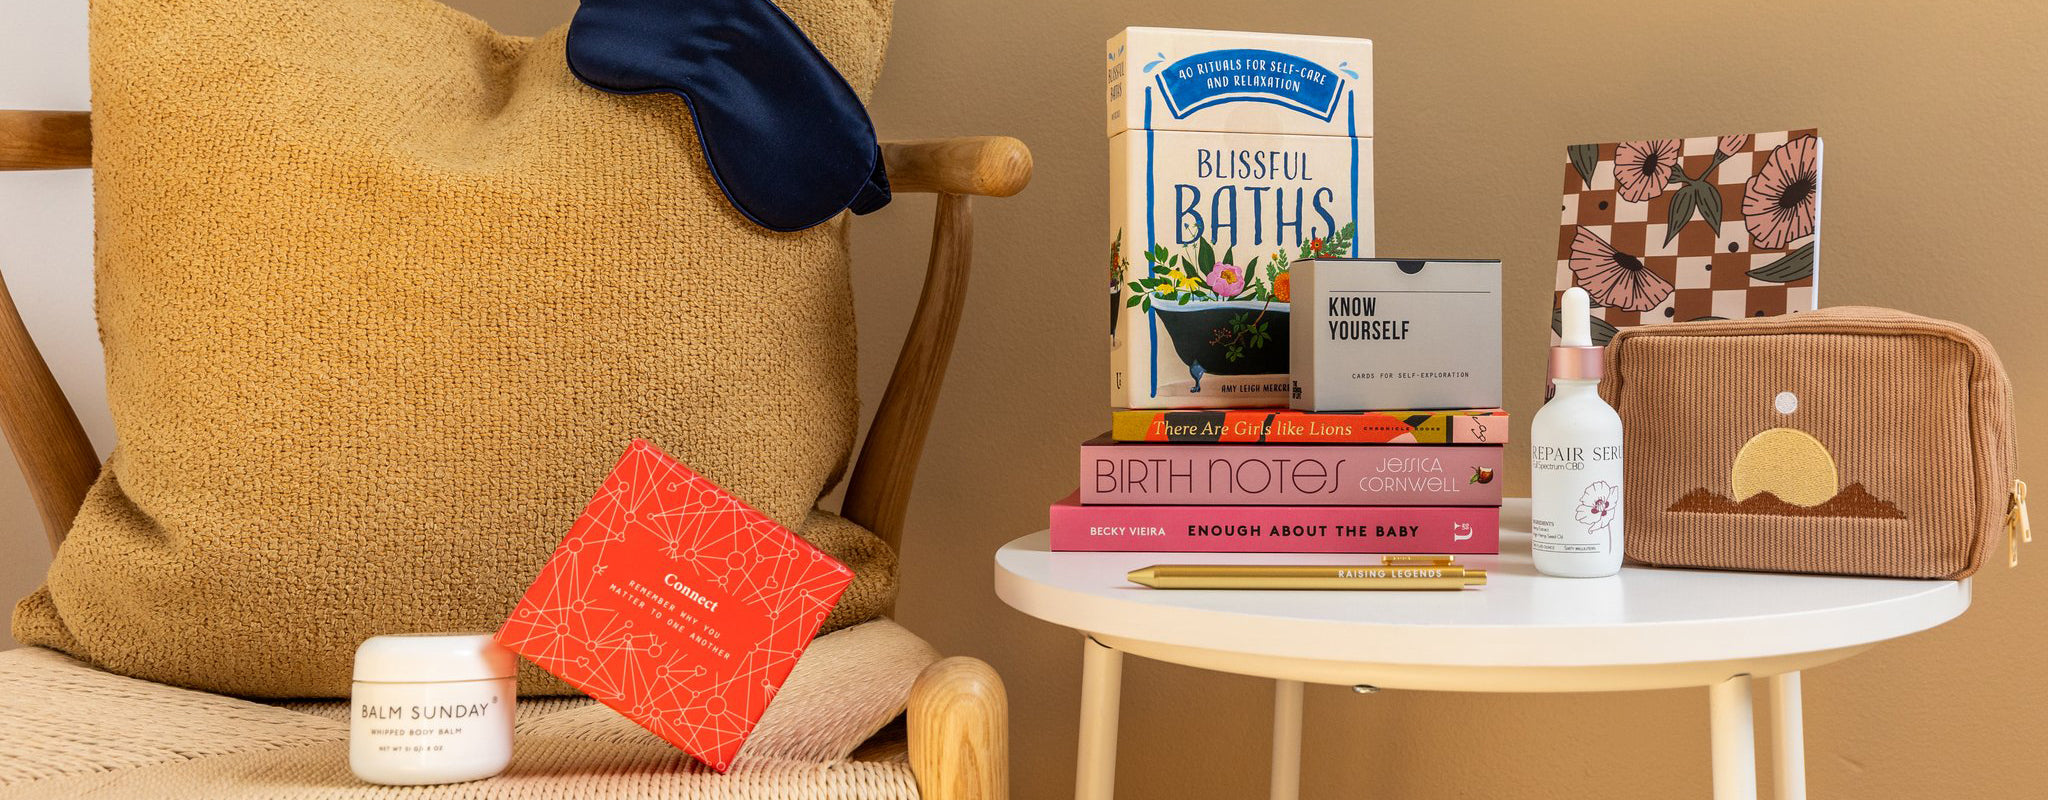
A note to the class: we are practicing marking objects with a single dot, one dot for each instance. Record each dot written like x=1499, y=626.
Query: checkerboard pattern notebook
x=1673, y=230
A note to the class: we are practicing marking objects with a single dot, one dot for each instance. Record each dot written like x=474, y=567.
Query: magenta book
x=1275, y=529
x=1145, y=473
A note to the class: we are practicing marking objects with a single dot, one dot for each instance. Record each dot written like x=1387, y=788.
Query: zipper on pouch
x=2017, y=528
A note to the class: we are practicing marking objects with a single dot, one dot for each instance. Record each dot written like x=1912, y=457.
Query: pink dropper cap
x=1575, y=357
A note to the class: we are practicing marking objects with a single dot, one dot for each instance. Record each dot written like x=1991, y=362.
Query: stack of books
x=1242, y=283
x=1277, y=480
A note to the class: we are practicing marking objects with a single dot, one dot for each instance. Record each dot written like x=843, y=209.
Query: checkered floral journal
x=1673, y=230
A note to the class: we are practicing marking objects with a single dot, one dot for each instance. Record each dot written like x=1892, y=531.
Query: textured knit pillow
x=384, y=295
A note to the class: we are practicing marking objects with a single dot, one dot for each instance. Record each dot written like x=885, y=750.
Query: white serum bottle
x=1575, y=459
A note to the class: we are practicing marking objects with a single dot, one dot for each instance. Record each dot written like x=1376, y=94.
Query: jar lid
x=433, y=658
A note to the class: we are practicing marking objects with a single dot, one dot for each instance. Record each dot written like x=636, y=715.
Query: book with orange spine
x=1283, y=426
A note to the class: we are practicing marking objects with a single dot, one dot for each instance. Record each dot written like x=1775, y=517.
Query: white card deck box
x=1377, y=334
x=1231, y=156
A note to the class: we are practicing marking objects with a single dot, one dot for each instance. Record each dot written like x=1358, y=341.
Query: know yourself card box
x=1231, y=156
x=677, y=605
x=1372, y=333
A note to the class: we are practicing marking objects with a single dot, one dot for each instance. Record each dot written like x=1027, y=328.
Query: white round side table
x=1522, y=632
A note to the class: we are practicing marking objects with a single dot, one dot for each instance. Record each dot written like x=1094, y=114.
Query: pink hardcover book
x=1147, y=473
x=1450, y=530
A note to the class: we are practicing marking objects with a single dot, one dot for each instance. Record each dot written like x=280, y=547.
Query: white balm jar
x=431, y=708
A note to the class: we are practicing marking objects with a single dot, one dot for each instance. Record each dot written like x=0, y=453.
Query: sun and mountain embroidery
x=1673, y=230
x=1853, y=501
x=1785, y=472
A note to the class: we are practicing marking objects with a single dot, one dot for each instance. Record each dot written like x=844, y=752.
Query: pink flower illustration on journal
x=1643, y=169
x=1615, y=279
x=1781, y=204
x=1677, y=230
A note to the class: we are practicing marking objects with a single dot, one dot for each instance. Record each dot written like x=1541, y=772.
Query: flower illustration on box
x=1226, y=279
x=1223, y=316
x=1676, y=230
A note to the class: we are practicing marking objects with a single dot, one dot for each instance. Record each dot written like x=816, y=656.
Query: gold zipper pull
x=2017, y=527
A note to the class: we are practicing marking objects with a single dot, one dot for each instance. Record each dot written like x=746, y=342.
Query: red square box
x=676, y=604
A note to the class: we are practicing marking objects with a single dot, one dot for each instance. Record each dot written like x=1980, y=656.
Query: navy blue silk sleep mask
x=787, y=140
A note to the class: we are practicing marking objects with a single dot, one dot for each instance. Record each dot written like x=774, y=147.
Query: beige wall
x=1934, y=185
x=1931, y=112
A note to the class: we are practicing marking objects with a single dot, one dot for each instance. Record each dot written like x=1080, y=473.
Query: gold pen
x=1407, y=573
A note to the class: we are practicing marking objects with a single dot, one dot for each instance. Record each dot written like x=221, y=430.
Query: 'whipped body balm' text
x=431, y=708
x=1231, y=155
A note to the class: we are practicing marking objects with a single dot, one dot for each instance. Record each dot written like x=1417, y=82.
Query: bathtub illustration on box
x=1220, y=315
x=1227, y=337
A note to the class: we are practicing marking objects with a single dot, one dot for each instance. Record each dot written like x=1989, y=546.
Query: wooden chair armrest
x=878, y=490
x=959, y=724
x=45, y=139
x=988, y=166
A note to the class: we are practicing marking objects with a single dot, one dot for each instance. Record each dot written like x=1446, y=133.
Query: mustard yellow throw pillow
x=384, y=294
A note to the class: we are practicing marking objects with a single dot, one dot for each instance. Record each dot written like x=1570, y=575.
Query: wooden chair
x=956, y=725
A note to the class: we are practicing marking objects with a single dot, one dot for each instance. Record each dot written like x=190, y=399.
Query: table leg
x=1102, y=675
x=1734, y=738
x=1286, y=740
x=1788, y=738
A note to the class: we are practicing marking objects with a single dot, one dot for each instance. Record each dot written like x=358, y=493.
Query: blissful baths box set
x=1241, y=236
x=1231, y=156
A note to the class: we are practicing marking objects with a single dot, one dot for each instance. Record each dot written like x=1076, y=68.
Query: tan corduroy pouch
x=1855, y=441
